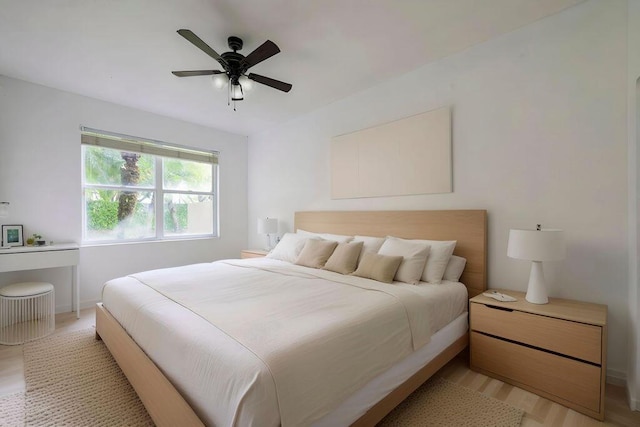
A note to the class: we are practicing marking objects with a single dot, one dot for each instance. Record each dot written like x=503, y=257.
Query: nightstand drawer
x=573, y=339
x=566, y=379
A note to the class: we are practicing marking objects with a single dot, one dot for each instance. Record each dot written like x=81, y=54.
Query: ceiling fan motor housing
x=234, y=65
x=235, y=43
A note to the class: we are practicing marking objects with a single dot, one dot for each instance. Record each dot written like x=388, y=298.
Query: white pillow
x=326, y=236
x=454, y=269
x=441, y=251
x=414, y=257
x=370, y=244
x=289, y=247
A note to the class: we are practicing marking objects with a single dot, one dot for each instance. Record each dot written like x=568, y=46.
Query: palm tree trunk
x=130, y=175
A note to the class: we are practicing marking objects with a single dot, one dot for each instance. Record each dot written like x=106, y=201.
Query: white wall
x=40, y=176
x=633, y=84
x=539, y=136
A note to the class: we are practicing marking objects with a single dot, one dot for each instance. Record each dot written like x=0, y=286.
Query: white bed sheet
x=152, y=320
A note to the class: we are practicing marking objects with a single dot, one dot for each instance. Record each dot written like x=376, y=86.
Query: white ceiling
x=123, y=51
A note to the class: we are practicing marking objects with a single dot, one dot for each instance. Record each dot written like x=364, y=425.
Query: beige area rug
x=72, y=380
x=12, y=410
x=439, y=402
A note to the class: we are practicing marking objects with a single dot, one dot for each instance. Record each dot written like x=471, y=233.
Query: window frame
x=128, y=144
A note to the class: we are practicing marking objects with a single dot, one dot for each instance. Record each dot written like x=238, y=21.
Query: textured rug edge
x=441, y=402
x=72, y=379
x=12, y=409
x=520, y=411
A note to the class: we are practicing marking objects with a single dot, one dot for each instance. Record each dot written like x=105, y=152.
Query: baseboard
x=620, y=379
x=616, y=378
x=84, y=304
x=63, y=308
x=89, y=304
x=634, y=403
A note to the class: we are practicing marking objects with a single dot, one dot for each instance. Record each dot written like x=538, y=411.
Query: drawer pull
x=498, y=308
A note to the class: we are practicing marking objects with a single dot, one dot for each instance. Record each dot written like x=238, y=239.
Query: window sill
x=90, y=244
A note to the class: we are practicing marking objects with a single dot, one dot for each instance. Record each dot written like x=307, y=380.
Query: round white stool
x=27, y=312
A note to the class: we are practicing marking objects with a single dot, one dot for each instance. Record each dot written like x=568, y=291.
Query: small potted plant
x=36, y=239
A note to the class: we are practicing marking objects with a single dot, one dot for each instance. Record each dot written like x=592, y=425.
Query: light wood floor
x=12, y=361
x=538, y=410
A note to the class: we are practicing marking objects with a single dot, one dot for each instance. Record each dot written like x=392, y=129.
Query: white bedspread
x=289, y=343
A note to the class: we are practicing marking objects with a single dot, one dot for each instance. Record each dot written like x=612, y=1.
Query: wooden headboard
x=468, y=227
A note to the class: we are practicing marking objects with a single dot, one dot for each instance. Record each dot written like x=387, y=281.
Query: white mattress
x=153, y=320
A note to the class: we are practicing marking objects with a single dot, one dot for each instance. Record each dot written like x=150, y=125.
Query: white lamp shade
x=267, y=225
x=245, y=83
x=236, y=92
x=219, y=80
x=536, y=245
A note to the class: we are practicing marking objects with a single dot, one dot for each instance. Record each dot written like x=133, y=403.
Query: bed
x=179, y=402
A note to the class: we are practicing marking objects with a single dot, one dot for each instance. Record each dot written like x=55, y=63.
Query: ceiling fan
x=234, y=64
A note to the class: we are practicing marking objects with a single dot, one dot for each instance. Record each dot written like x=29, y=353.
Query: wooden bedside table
x=253, y=253
x=556, y=350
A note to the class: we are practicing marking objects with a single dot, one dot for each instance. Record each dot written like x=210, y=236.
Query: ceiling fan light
x=236, y=92
x=246, y=83
x=219, y=80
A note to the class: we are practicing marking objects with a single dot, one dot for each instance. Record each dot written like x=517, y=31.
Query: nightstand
x=253, y=253
x=556, y=350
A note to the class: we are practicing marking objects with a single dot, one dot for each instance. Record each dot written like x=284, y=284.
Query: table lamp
x=268, y=226
x=536, y=246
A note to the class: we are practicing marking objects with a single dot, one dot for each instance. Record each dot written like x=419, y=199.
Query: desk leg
x=75, y=289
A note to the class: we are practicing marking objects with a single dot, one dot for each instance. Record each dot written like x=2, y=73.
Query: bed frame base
x=168, y=408
x=163, y=402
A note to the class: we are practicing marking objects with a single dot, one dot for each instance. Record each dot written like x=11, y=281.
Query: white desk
x=20, y=258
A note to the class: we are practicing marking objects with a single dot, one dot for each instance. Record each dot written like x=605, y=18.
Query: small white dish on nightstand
x=499, y=296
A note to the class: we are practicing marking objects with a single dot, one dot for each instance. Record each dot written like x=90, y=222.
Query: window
x=136, y=189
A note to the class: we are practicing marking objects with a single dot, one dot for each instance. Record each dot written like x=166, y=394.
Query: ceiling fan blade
x=197, y=42
x=264, y=51
x=276, y=84
x=196, y=73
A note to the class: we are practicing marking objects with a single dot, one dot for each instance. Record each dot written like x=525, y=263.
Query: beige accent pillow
x=378, y=267
x=414, y=257
x=344, y=259
x=315, y=253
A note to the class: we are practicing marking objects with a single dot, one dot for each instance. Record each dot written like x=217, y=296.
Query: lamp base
x=268, y=247
x=537, y=289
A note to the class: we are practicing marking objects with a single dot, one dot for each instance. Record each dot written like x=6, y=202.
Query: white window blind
x=144, y=146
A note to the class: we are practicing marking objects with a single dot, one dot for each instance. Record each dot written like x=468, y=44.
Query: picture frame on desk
x=12, y=235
